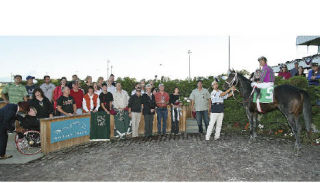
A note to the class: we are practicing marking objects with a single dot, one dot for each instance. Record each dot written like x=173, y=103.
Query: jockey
x=266, y=78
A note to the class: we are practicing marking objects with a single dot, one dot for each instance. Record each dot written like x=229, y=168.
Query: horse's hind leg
x=298, y=133
x=296, y=128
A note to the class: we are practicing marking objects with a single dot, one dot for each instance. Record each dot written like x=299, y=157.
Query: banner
x=69, y=129
x=100, y=125
x=122, y=125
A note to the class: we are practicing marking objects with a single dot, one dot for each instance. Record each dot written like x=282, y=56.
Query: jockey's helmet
x=262, y=58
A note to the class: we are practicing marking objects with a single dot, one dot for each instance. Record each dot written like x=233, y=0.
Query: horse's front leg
x=251, y=121
x=254, y=125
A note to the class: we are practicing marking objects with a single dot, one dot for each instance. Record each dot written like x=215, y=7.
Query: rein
x=231, y=83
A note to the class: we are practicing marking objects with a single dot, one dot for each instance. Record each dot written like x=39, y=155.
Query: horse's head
x=232, y=80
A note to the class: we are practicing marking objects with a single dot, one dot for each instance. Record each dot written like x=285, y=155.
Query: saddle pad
x=266, y=95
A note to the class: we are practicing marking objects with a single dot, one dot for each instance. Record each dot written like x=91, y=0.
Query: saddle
x=266, y=95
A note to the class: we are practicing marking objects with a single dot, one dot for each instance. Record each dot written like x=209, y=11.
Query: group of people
x=69, y=98
x=313, y=73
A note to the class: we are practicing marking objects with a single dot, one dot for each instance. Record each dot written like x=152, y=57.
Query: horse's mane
x=246, y=83
x=243, y=78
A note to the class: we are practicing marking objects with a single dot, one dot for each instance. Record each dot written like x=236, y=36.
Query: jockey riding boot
x=258, y=90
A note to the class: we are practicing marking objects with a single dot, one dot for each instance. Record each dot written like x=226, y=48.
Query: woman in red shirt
x=57, y=92
x=285, y=74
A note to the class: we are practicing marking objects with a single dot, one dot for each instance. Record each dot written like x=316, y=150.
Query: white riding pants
x=262, y=85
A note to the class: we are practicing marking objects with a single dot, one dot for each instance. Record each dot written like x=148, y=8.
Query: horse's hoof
x=297, y=151
x=255, y=135
x=252, y=139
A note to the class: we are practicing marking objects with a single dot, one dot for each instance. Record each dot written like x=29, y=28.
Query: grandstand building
x=305, y=62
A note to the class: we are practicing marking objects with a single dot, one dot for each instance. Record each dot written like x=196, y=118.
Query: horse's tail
x=307, y=112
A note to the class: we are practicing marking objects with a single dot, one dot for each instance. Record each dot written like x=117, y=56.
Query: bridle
x=234, y=82
x=231, y=83
x=234, y=79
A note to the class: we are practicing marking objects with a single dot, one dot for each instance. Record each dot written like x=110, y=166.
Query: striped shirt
x=15, y=92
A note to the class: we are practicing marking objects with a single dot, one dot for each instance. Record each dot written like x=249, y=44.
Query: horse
x=291, y=102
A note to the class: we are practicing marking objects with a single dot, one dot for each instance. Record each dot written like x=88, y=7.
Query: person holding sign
x=106, y=99
x=121, y=119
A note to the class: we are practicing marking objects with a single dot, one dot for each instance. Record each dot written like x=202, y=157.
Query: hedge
x=235, y=117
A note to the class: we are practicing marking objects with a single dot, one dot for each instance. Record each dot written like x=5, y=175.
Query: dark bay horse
x=291, y=101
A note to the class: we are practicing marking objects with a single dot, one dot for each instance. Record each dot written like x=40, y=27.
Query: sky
x=63, y=38
x=140, y=56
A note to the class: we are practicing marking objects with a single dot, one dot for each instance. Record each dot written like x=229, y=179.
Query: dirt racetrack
x=174, y=158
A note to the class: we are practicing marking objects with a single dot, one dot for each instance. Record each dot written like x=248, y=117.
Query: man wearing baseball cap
x=16, y=91
x=294, y=71
x=314, y=75
x=30, y=86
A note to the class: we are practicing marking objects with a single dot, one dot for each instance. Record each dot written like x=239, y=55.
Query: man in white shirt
x=120, y=97
x=121, y=119
x=217, y=108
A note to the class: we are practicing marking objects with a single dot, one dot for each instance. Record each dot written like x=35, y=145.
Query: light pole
x=108, y=62
x=111, y=68
x=189, y=53
x=160, y=72
x=229, y=55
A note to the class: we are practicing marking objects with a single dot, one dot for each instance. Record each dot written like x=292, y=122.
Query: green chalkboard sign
x=100, y=125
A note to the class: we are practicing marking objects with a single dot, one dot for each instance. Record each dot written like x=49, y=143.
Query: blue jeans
x=162, y=113
x=202, y=115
